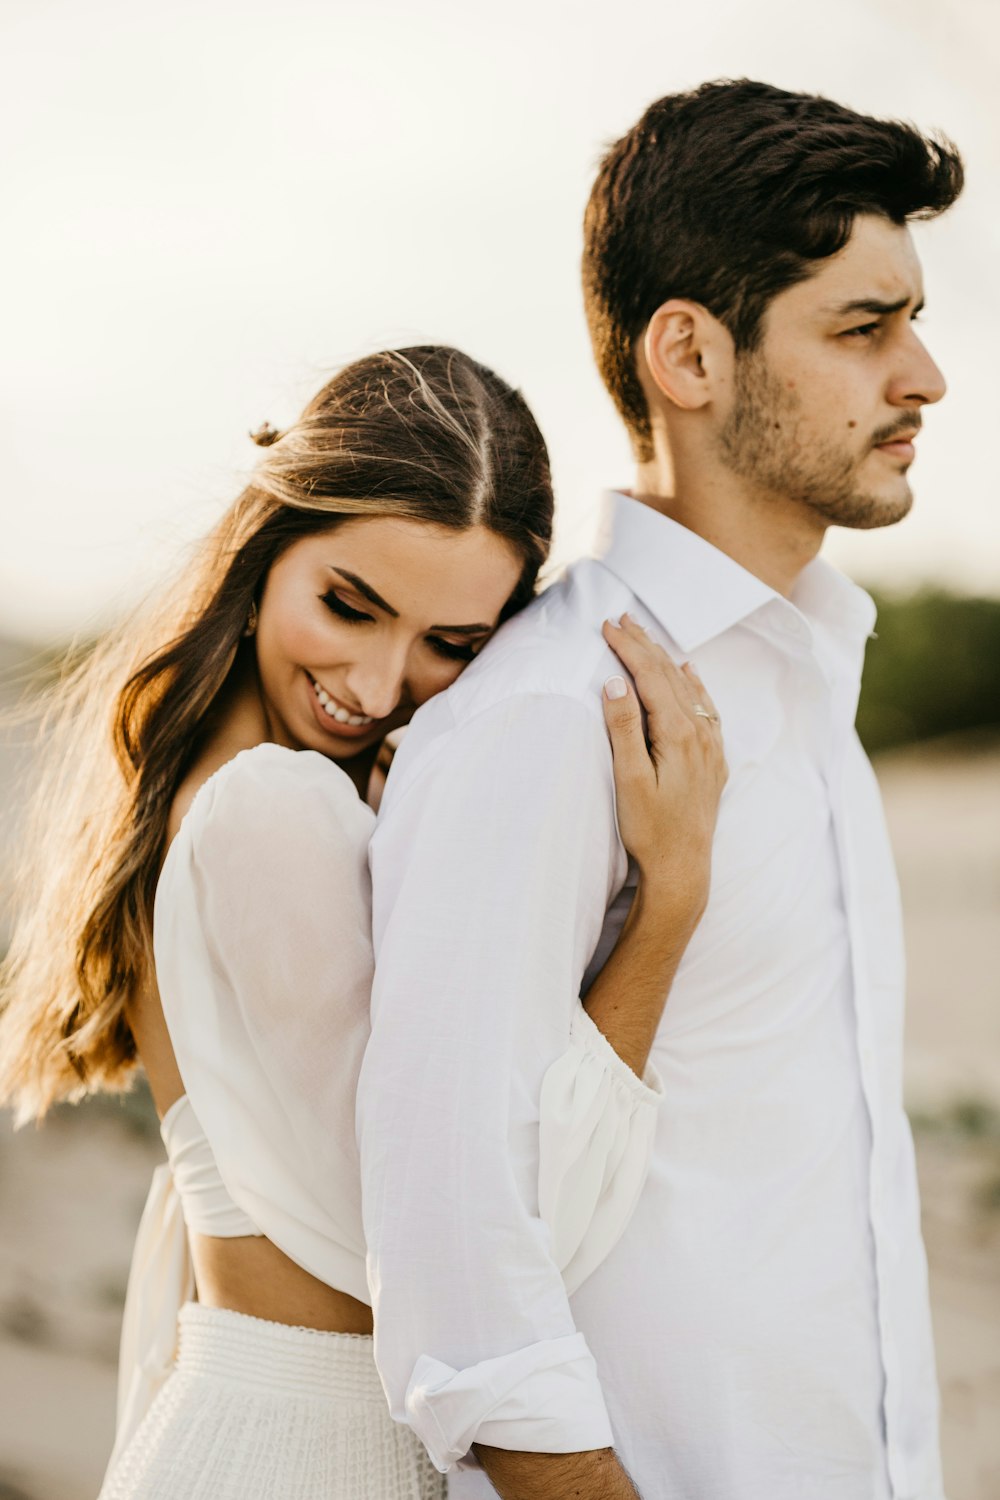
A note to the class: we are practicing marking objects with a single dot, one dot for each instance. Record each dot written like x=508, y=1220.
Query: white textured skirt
x=259, y=1411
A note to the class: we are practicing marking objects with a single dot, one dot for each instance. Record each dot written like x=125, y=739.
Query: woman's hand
x=669, y=779
x=668, y=783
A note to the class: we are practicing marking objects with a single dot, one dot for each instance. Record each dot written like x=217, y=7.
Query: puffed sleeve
x=596, y=1128
x=262, y=938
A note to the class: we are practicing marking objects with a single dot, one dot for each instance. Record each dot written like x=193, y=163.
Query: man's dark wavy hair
x=727, y=195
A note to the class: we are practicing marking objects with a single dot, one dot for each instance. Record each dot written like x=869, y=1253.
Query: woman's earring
x=250, y=628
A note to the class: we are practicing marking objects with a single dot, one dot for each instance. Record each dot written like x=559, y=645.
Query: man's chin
x=866, y=511
x=883, y=511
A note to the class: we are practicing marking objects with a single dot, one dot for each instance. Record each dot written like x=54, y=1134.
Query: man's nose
x=919, y=382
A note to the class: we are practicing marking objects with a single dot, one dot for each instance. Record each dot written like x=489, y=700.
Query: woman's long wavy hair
x=423, y=433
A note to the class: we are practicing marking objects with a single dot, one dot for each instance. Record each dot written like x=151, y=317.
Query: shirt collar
x=698, y=592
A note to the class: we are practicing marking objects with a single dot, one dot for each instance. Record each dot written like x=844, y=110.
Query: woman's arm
x=668, y=794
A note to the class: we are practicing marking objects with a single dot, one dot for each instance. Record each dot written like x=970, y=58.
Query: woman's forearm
x=627, y=998
x=669, y=775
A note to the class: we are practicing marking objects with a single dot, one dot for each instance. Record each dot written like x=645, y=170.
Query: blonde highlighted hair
x=422, y=433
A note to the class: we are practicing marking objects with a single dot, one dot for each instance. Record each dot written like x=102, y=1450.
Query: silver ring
x=705, y=713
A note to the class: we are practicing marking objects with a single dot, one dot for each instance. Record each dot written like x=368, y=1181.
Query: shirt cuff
x=587, y=1036
x=542, y=1399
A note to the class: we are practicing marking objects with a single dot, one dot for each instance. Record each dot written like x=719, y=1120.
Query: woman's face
x=359, y=625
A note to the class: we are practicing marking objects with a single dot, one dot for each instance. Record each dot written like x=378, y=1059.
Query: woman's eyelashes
x=450, y=650
x=340, y=607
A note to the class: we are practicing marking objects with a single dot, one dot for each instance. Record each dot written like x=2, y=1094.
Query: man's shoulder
x=554, y=647
x=540, y=678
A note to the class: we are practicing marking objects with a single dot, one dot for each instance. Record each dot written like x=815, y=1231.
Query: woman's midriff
x=252, y=1276
x=247, y=1275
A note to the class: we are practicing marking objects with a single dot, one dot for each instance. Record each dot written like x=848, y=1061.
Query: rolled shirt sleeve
x=493, y=864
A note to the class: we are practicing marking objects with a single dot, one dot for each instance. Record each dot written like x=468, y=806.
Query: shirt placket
x=844, y=708
x=833, y=690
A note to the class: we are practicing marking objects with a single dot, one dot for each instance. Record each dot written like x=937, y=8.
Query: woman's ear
x=686, y=351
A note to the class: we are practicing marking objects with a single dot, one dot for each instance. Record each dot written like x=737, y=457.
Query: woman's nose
x=377, y=683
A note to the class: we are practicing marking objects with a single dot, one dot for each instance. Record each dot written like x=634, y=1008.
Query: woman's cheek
x=437, y=678
x=317, y=642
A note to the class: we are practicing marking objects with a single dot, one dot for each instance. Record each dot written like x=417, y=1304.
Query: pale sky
x=208, y=207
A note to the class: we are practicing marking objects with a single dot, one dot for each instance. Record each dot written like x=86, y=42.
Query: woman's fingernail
x=616, y=687
x=613, y=623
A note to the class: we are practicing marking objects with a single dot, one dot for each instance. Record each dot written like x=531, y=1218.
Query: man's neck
x=771, y=537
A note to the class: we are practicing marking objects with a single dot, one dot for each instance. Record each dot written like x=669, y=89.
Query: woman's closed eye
x=340, y=607
x=450, y=650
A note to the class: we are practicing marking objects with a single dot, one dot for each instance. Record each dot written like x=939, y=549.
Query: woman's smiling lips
x=334, y=717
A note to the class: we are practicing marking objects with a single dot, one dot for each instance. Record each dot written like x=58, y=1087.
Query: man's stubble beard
x=762, y=445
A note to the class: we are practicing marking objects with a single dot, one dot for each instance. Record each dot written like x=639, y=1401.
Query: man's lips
x=900, y=446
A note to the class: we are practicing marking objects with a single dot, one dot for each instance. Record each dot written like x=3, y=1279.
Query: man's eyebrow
x=380, y=603
x=873, y=305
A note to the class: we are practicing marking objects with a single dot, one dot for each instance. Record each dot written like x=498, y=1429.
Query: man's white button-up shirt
x=762, y=1327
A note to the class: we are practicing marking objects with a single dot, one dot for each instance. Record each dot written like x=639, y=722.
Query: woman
x=199, y=901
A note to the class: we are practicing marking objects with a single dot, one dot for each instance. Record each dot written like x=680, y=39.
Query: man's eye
x=864, y=331
x=345, y=611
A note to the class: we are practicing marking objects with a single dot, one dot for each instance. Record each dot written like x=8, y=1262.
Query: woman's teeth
x=334, y=712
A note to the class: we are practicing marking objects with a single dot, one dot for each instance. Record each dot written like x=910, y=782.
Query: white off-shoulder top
x=262, y=943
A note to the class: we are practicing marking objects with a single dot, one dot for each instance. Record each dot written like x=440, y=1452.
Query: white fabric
x=595, y=1139
x=259, y=1411
x=450, y=1410
x=262, y=944
x=206, y=1204
x=160, y=1281
x=262, y=938
x=762, y=1328
x=264, y=967
x=186, y=1195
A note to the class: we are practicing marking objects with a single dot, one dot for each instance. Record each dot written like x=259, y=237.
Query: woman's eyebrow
x=380, y=603
x=365, y=589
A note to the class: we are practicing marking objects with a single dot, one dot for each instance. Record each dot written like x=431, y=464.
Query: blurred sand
x=944, y=818
x=71, y=1194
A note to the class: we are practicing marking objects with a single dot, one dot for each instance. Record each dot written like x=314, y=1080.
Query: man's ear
x=687, y=353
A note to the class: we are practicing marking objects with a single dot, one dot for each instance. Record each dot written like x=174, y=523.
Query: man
x=762, y=1327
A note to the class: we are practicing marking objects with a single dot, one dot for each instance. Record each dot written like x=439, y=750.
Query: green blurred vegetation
x=933, y=669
